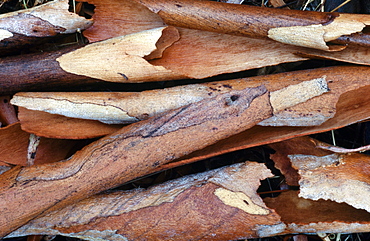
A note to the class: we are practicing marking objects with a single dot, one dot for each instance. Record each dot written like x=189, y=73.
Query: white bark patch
x=109, y=107
x=5, y=34
x=119, y=59
x=293, y=95
x=316, y=36
x=323, y=178
x=91, y=111
x=240, y=200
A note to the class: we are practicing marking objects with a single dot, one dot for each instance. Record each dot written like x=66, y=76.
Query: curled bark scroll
x=322, y=174
x=131, y=152
x=120, y=59
x=307, y=216
x=128, y=107
x=34, y=25
x=301, y=28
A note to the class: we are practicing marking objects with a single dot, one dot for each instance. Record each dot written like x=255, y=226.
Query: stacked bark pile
x=63, y=153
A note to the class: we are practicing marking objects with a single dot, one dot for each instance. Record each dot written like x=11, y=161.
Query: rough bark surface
x=351, y=107
x=221, y=204
x=131, y=152
x=337, y=177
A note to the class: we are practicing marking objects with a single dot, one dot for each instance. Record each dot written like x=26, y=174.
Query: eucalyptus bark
x=120, y=59
x=129, y=153
x=258, y=22
x=38, y=71
x=35, y=25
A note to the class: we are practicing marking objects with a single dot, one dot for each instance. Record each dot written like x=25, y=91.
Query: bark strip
x=72, y=66
x=221, y=204
x=131, y=152
x=37, y=24
x=287, y=26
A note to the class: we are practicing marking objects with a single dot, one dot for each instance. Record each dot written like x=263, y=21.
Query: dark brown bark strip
x=37, y=71
x=129, y=153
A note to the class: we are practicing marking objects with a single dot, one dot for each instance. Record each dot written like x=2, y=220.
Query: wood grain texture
x=131, y=152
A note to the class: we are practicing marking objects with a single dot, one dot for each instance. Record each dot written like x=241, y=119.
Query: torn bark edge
x=124, y=58
x=336, y=177
x=55, y=13
x=318, y=35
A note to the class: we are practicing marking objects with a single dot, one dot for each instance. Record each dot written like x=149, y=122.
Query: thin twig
x=337, y=149
x=341, y=5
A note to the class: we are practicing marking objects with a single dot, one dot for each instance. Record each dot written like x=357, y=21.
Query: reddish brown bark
x=243, y=20
x=352, y=107
x=194, y=207
x=129, y=153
